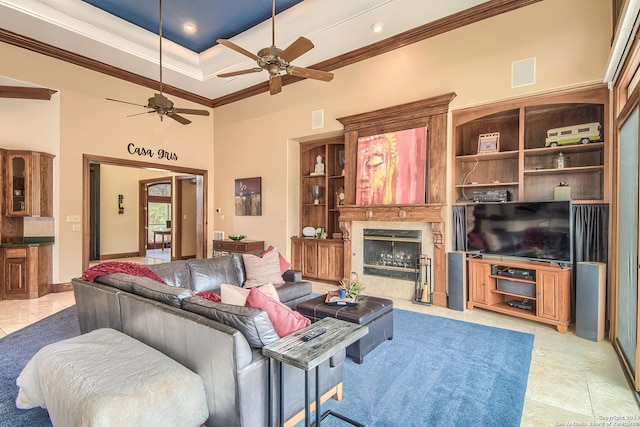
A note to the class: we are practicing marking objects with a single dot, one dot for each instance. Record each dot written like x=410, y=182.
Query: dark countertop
x=28, y=242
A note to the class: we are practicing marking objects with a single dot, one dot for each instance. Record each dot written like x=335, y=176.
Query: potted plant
x=352, y=285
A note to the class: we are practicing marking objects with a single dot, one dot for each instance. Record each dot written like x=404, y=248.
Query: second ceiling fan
x=277, y=61
x=159, y=103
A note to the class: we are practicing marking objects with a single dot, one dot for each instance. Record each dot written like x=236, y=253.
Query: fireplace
x=391, y=253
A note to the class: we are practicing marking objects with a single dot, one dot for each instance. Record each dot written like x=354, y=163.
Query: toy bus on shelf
x=576, y=134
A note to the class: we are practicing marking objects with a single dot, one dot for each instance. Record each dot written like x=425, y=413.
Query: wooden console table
x=225, y=247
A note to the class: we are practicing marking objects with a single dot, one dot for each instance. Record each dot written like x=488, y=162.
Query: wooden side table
x=307, y=355
x=226, y=247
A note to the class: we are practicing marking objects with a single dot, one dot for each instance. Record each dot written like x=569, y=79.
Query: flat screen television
x=533, y=230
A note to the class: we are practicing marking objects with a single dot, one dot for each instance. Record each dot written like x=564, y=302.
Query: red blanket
x=132, y=268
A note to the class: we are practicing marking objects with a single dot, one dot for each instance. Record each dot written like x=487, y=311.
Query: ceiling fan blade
x=161, y=100
x=275, y=85
x=238, y=73
x=308, y=73
x=126, y=102
x=179, y=119
x=138, y=114
x=232, y=45
x=191, y=111
x=297, y=48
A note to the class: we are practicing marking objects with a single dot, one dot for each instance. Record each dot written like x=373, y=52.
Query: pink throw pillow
x=285, y=321
x=284, y=264
x=210, y=295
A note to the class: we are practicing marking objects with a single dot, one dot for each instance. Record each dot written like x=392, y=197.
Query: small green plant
x=352, y=285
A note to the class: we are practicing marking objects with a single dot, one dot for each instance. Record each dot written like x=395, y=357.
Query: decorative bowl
x=237, y=237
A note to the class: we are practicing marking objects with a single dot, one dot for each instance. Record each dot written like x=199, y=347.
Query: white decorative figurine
x=319, y=167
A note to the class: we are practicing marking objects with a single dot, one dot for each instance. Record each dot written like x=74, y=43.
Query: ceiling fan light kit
x=277, y=61
x=159, y=103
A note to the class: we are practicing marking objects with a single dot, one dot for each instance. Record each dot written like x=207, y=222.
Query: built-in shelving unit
x=320, y=258
x=522, y=164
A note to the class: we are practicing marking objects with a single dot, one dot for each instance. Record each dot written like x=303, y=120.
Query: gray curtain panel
x=458, y=228
x=591, y=232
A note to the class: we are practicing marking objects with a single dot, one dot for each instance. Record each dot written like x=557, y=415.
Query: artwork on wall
x=392, y=168
x=248, y=196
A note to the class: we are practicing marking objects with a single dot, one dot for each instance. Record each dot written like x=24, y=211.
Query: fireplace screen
x=391, y=253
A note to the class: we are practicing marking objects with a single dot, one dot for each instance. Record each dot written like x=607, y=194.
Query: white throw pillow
x=260, y=271
x=235, y=295
x=269, y=290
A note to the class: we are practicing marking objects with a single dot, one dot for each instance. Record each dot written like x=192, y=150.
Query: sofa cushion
x=253, y=323
x=284, y=320
x=289, y=291
x=160, y=292
x=122, y=281
x=260, y=271
x=239, y=264
x=174, y=273
x=208, y=274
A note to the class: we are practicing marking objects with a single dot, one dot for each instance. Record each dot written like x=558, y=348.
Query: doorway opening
x=157, y=208
x=196, y=214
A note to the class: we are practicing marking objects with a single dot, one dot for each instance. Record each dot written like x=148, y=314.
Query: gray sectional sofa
x=220, y=342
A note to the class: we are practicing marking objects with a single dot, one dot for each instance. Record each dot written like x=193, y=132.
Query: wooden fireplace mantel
x=419, y=213
x=432, y=114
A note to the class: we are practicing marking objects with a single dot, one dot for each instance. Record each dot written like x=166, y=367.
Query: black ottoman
x=376, y=313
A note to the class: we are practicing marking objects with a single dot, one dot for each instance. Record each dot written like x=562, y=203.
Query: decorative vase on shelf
x=316, y=192
x=341, y=160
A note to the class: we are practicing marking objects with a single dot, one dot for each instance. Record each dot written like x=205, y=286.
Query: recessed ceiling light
x=189, y=27
x=377, y=27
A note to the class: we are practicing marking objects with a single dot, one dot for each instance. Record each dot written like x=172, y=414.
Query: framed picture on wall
x=392, y=168
x=248, y=196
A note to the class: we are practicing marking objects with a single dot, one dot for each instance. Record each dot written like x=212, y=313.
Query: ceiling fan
x=277, y=61
x=159, y=103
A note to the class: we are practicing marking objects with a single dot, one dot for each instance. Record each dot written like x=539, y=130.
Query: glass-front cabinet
x=19, y=186
x=29, y=186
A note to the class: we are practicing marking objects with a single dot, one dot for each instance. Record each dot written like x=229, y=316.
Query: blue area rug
x=435, y=372
x=16, y=350
x=438, y=372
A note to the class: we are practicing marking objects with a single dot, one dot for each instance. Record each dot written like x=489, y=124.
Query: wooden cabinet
x=478, y=273
x=223, y=247
x=29, y=184
x=317, y=258
x=523, y=164
x=544, y=288
x=26, y=271
x=320, y=259
x=330, y=260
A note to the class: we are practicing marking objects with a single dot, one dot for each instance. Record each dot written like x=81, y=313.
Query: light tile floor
x=572, y=381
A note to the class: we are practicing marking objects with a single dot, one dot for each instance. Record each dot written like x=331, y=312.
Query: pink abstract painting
x=392, y=168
